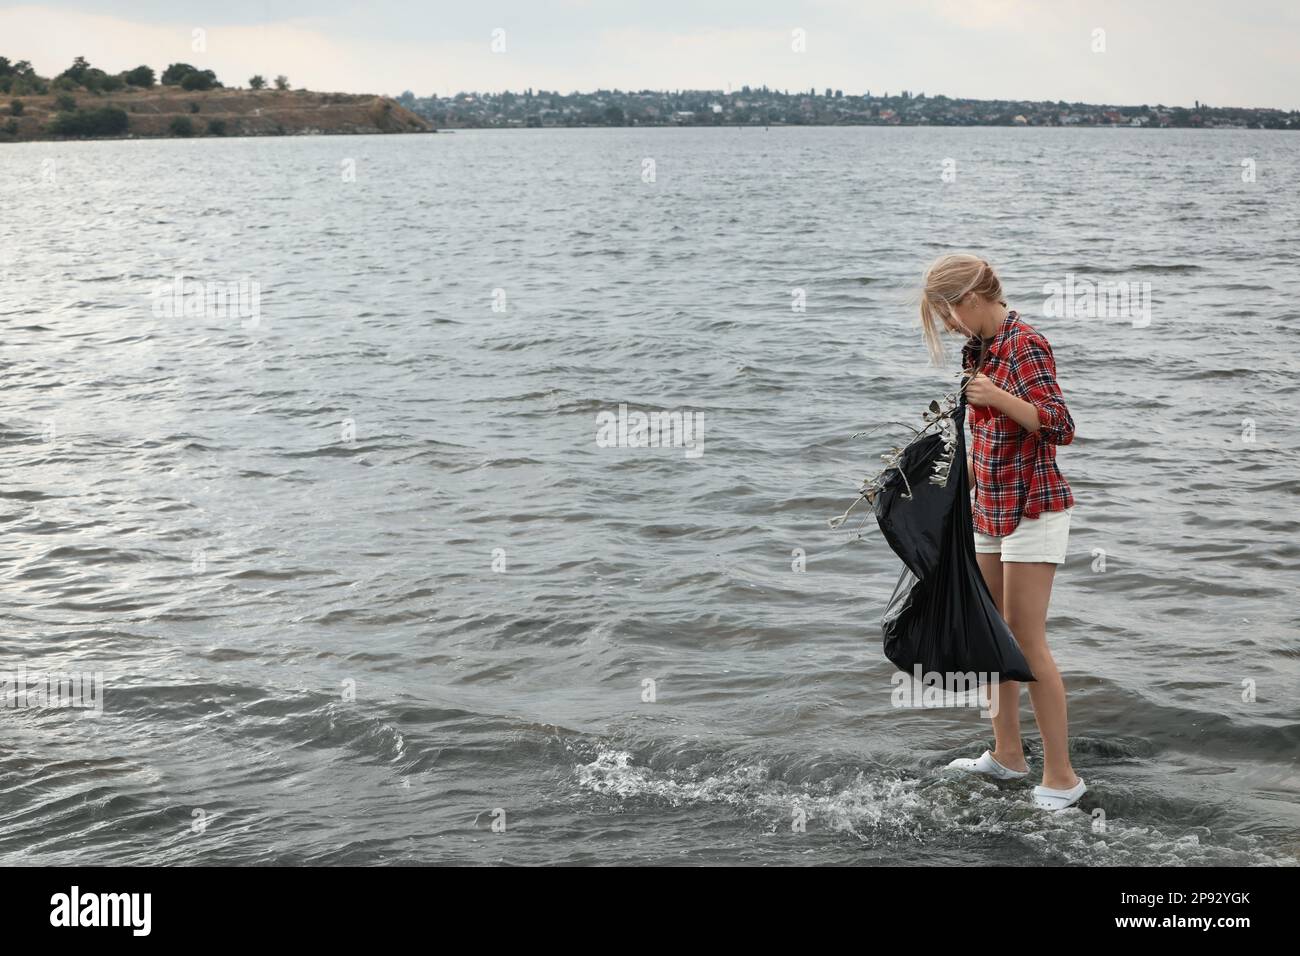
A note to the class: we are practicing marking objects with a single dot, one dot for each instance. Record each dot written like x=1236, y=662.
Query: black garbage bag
x=941, y=615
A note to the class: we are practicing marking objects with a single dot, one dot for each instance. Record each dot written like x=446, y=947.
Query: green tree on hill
x=82, y=74
x=97, y=81
x=142, y=76
x=199, y=80
x=179, y=74
x=281, y=82
x=257, y=82
x=77, y=72
x=16, y=108
x=22, y=80
x=181, y=126
x=176, y=72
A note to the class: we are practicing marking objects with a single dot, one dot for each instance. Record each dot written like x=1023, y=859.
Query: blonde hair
x=949, y=280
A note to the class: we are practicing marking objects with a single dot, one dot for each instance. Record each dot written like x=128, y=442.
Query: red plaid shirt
x=1015, y=470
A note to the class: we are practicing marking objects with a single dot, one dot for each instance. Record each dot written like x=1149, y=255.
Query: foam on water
x=926, y=809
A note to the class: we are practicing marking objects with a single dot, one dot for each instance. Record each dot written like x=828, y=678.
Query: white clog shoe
x=987, y=765
x=1045, y=798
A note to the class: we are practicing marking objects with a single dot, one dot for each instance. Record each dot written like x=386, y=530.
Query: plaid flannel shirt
x=1015, y=470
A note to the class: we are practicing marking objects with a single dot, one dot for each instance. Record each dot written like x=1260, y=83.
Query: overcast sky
x=1243, y=53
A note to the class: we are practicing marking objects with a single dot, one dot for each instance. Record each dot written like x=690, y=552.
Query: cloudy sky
x=1242, y=53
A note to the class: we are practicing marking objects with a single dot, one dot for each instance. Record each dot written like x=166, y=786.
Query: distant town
x=761, y=106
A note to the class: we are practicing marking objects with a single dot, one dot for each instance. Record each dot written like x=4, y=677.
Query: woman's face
x=965, y=317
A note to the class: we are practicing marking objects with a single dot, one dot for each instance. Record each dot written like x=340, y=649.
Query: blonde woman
x=1022, y=506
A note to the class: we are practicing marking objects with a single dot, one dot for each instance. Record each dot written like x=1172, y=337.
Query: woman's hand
x=981, y=391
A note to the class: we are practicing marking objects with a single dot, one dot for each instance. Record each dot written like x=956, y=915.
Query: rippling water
x=360, y=581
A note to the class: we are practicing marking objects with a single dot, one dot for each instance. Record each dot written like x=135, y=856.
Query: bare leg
x=1027, y=589
x=1008, y=749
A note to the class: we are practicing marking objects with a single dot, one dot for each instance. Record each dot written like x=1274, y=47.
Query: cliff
x=172, y=112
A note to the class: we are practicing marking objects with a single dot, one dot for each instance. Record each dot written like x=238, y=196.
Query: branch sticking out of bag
x=937, y=417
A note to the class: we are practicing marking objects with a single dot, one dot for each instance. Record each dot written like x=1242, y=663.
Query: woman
x=1022, y=508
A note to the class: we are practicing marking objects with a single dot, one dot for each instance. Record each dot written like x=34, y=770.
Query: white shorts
x=1035, y=539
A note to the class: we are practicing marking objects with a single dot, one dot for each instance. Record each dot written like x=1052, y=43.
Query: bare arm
x=1024, y=413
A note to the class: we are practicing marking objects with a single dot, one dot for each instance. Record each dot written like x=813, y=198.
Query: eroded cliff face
x=153, y=112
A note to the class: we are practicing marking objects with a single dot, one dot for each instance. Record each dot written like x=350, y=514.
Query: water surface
x=361, y=581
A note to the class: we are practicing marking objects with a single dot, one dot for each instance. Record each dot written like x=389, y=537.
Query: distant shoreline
x=762, y=106
x=1123, y=126
x=310, y=133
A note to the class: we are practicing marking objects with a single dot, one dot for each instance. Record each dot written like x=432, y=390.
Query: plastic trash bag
x=941, y=615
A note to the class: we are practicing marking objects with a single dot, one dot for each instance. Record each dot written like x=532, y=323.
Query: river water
x=361, y=584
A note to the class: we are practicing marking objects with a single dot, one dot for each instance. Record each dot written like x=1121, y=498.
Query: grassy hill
x=169, y=111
